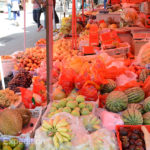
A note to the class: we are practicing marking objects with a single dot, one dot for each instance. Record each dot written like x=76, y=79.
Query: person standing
x=15, y=10
x=9, y=6
x=37, y=13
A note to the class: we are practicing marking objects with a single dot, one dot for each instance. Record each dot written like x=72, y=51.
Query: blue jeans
x=9, y=11
x=105, y=2
x=16, y=13
x=36, y=16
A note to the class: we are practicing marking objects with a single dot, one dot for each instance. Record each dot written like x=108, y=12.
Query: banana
x=55, y=140
x=56, y=120
x=44, y=129
x=96, y=126
x=46, y=125
x=62, y=129
x=60, y=138
x=62, y=123
x=51, y=122
x=64, y=134
x=65, y=139
x=93, y=120
x=97, y=121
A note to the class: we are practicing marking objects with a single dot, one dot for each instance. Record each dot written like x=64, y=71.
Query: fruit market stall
x=99, y=92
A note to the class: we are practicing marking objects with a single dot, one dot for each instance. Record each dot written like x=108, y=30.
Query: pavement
x=12, y=36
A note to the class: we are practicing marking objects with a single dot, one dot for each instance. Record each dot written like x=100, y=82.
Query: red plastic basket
x=132, y=127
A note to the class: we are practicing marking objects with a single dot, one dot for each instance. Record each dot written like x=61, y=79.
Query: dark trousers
x=36, y=16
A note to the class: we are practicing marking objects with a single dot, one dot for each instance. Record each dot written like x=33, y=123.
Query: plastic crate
x=132, y=127
x=117, y=51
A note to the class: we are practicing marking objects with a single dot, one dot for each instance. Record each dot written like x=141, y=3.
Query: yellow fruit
x=56, y=120
x=55, y=140
x=62, y=129
x=60, y=138
x=62, y=123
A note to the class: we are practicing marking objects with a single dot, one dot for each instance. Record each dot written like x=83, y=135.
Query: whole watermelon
x=116, y=101
x=146, y=118
x=135, y=94
x=146, y=104
x=132, y=117
x=109, y=87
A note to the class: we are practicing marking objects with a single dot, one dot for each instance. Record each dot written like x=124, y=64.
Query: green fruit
x=67, y=109
x=139, y=107
x=72, y=104
x=146, y=118
x=63, y=103
x=32, y=147
x=135, y=94
x=21, y=145
x=90, y=107
x=13, y=142
x=146, y=104
x=116, y=101
x=77, y=108
x=1, y=144
x=54, y=104
x=51, y=114
x=85, y=111
x=82, y=105
x=109, y=87
x=5, y=143
x=132, y=117
x=75, y=113
x=53, y=109
x=17, y=148
x=80, y=99
x=7, y=148
x=60, y=109
x=70, y=99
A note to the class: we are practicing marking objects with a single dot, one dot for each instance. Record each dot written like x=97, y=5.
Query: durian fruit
x=26, y=115
x=10, y=122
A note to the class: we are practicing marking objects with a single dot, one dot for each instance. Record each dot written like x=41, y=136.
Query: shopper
x=16, y=11
x=37, y=13
x=55, y=14
x=9, y=6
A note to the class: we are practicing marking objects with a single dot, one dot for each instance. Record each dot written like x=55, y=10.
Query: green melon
x=109, y=87
x=139, y=107
x=146, y=104
x=116, y=101
x=132, y=117
x=146, y=118
x=135, y=94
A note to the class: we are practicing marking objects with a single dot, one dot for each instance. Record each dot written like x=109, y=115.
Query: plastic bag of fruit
x=66, y=79
x=67, y=133
x=103, y=139
x=89, y=91
x=109, y=120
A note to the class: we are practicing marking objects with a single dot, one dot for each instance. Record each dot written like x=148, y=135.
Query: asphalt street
x=12, y=36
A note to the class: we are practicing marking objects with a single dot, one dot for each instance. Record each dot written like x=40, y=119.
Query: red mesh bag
x=146, y=87
x=128, y=85
x=89, y=90
x=81, y=79
x=102, y=100
x=66, y=79
x=27, y=98
x=40, y=89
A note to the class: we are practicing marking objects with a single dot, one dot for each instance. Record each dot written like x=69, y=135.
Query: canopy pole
x=24, y=8
x=49, y=47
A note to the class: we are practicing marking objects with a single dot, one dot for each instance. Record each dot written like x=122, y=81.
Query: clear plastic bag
x=109, y=120
x=103, y=139
x=80, y=140
x=125, y=78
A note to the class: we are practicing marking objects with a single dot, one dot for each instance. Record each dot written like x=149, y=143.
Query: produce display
x=100, y=96
x=74, y=105
x=23, y=78
x=12, y=144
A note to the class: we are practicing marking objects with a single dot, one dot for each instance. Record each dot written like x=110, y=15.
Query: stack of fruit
x=75, y=106
x=58, y=129
x=30, y=59
x=12, y=144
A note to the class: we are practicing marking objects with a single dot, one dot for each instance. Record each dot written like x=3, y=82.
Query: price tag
x=88, y=50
